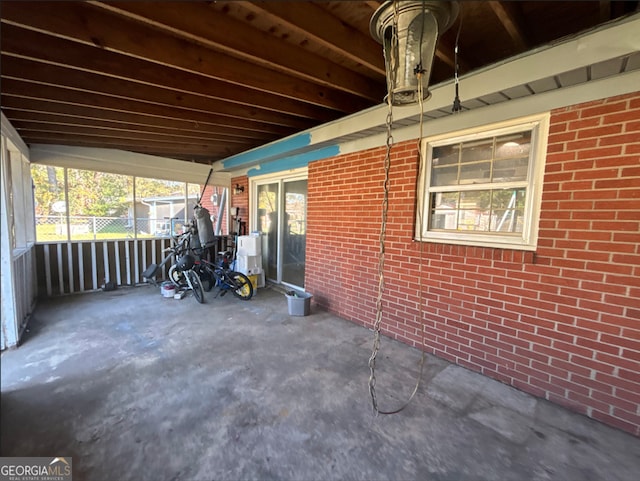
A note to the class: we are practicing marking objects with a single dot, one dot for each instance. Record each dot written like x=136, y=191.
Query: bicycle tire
x=196, y=286
x=241, y=286
x=177, y=277
x=207, y=278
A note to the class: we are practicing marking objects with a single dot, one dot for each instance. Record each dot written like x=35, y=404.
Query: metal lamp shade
x=419, y=24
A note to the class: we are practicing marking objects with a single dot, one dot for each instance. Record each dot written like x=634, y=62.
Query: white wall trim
x=126, y=163
x=15, y=142
x=513, y=109
x=607, y=42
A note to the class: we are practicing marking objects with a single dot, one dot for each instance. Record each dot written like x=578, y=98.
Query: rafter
x=92, y=26
x=512, y=22
x=323, y=28
x=240, y=40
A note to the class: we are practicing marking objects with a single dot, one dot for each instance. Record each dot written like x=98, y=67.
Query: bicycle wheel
x=177, y=277
x=240, y=285
x=207, y=278
x=196, y=286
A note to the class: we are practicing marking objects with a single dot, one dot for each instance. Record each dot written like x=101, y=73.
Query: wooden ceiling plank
x=323, y=28
x=128, y=144
x=173, y=119
x=85, y=61
x=118, y=101
x=28, y=113
x=97, y=99
x=84, y=23
x=39, y=73
x=120, y=131
x=241, y=40
x=512, y=22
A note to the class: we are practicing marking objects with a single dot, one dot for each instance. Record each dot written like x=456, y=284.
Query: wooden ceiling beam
x=18, y=42
x=47, y=74
x=321, y=27
x=241, y=40
x=176, y=120
x=121, y=132
x=28, y=111
x=87, y=24
x=60, y=95
x=512, y=21
x=605, y=10
x=213, y=151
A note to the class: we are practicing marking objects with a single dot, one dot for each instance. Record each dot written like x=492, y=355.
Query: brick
x=607, y=131
x=603, y=110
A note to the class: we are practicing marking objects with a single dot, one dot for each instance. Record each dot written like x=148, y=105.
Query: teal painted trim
x=295, y=161
x=271, y=150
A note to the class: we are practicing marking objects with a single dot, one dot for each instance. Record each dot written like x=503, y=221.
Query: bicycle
x=182, y=274
x=223, y=276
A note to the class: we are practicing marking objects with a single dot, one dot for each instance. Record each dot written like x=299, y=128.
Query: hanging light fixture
x=409, y=31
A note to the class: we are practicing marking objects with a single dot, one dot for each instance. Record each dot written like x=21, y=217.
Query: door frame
x=280, y=178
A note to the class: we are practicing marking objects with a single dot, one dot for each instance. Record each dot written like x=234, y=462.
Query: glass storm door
x=282, y=220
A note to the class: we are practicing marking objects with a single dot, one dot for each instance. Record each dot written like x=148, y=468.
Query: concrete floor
x=134, y=386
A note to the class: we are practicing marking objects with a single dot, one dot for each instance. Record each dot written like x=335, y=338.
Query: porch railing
x=83, y=266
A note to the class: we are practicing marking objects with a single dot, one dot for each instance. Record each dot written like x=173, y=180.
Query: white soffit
x=606, y=52
x=126, y=163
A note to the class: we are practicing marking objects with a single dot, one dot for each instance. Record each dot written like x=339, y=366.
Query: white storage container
x=249, y=245
x=249, y=265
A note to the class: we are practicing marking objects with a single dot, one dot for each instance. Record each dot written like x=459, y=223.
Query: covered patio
x=134, y=386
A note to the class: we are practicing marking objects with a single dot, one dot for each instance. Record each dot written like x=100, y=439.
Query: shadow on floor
x=134, y=386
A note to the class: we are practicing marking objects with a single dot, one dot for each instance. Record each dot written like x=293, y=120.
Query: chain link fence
x=61, y=228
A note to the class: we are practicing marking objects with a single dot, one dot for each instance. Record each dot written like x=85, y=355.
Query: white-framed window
x=483, y=186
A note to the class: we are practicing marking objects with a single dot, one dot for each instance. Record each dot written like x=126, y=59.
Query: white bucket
x=167, y=289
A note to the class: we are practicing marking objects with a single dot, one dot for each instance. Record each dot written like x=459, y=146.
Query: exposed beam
x=605, y=10
x=325, y=29
x=171, y=118
x=87, y=24
x=46, y=74
x=34, y=45
x=200, y=150
x=512, y=22
x=122, y=132
x=34, y=111
x=240, y=40
x=61, y=95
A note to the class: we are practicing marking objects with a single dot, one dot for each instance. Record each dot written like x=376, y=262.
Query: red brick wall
x=241, y=200
x=214, y=210
x=562, y=323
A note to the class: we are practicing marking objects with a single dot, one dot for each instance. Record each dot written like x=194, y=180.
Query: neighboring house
x=156, y=213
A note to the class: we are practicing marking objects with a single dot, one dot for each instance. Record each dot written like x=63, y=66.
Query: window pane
x=480, y=150
x=98, y=204
x=158, y=202
x=444, y=210
x=474, y=211
x=50, y=205
x=510, y=170
x=445, y=155
x=513, y=145
x=475, y=173
x=508, y=210
x=444, y=176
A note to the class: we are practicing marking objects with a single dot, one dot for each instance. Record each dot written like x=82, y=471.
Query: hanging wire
x=457, y=106
x=377, y=325
x=385, y=206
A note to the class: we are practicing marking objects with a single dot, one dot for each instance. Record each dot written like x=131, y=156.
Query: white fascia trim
x=607, y=42
x=512, y=109
x=126, y=163
x=11, y=134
